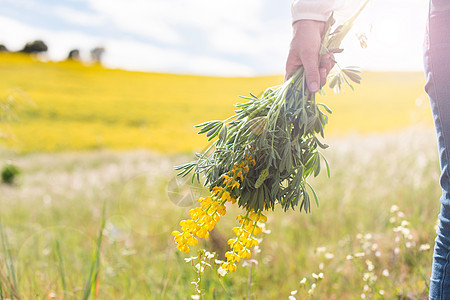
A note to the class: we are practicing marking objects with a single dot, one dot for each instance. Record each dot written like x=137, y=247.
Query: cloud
x=140, y=56
x=78, y=17
x=140, y=17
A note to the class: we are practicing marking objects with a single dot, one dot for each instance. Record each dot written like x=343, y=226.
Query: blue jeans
x=437, y=71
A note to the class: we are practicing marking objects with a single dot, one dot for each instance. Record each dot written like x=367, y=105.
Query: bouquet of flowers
x=262, y=156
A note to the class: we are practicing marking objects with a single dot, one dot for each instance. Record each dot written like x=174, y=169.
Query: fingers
x=304, y=50
x=293, y=63
x=326, y=64
x=310, y=61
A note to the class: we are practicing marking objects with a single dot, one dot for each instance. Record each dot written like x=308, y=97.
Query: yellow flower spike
x=239, y=174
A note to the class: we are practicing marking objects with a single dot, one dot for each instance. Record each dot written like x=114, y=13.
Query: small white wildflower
x=200, y=267
x=405, y=231
x=370, y=265
x=374, y=246
x=190, y=258
x=368, y=236
x=363, y=296
x=321, y=275
x=400, y=214
x=359, y=236
x=397, y=229
x=291, y=298
x=424, y=247
x=378, y=254
x=359, y=254
x=392, y=220
x=256, y=250
x=303, y=281
x=396, y=251
x=222, y=272
x=329, y=255
x=315, y=276
x=321, y=249
x=385, y=273
x=397, y=239
x=249, y=262
x=218, y=261
x=321, y=266
x=349, y=257
x=394, y=208
x=311, y=290
x=408, y=245
x=195, y=297
x=293, y=292
x=381, y=292
x=404, y=223
x=366, y=288
x=209, y=255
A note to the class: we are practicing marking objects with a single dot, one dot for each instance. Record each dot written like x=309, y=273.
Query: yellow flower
x=217, y=189
x=226, y=196
x=226, y=179
x=235, y=184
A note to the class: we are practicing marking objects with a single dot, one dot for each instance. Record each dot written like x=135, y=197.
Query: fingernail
x=314, y=87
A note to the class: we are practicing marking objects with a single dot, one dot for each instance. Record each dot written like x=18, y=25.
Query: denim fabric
x=437, y=71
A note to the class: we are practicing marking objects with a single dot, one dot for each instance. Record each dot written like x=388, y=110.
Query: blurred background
x=98, y=100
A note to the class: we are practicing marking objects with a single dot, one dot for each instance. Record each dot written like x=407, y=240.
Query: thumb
x=311, y=65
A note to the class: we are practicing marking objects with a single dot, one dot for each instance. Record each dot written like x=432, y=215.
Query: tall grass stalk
x=92, y=283
x=61, y=267
x=11, y=273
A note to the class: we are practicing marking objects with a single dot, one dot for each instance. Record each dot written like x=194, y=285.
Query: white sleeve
x=318, y=10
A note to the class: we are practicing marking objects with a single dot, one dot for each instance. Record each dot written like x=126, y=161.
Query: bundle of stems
x=262, y=156
x=281, y=132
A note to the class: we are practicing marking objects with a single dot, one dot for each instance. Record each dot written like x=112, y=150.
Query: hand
x=304, y=50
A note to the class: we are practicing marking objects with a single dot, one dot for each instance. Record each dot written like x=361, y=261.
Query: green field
x=134, y=127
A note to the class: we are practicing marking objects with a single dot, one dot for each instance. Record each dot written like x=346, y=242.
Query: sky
x=207, y=37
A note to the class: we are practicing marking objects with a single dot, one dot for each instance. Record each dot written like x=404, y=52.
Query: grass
x=52, y=217
x=84, y=108
x=96, y=224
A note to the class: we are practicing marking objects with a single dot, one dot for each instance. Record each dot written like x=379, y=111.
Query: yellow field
x=79, y=107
